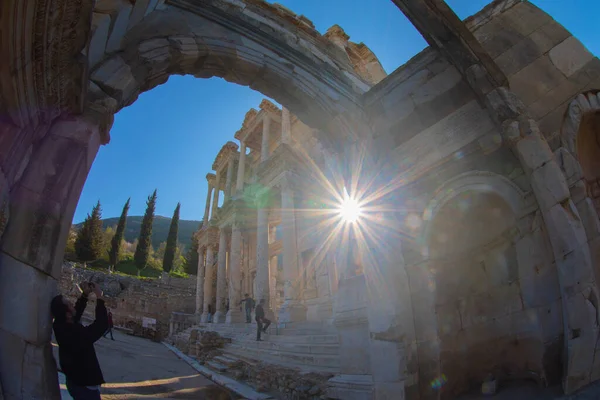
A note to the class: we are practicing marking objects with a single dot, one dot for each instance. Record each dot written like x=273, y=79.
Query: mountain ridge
x=160, y=229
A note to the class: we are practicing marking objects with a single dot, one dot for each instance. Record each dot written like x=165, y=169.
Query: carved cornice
x=208, y=235
x=250, y=115
x=266, y=105
x=222, y=158
x=211, y=178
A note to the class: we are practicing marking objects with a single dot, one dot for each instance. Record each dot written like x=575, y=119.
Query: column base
x=292, y=311
x=219, y=317
x=204, y=318
x=235, y=316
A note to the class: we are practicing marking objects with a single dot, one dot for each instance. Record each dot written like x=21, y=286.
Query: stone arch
x=476, y=311
x=478, y=181
x=580, y=135
x=294, y=65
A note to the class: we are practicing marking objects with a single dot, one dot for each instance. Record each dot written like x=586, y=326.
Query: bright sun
x=350, y=210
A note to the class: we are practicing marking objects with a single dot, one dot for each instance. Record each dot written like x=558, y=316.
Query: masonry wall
x=496, y=308
x=131, y=299
x=545, y=65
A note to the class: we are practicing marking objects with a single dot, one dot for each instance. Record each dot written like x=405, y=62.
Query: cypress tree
x=142, y=251
x=115, y=243
x=190, y=265
x=171, y=247
x=89, y=242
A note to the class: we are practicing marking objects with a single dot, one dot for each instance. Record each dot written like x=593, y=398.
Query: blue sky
x=169, y=137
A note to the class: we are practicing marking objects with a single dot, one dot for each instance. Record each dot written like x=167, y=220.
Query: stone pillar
x=262, y=259
x=292, y=309
x=209, y=178
x=229, y=179
x=200, y=281
x=42, y=204
x=239, y=185
x=286, y=126
x=215, y=202
x=264, y=149
x=209, y=272
x=221, y=278
x=273, y=282
x=235, y=275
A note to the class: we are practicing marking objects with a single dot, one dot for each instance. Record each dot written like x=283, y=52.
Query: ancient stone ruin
x=477, y=251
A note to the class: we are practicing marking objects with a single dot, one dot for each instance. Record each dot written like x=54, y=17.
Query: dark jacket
x=259, y=314
x=76, y=345
x=248, y=303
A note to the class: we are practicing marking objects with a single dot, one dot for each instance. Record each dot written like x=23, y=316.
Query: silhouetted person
x=110, y=326
x=261, y=322
x=248, y=307
x=76, y=342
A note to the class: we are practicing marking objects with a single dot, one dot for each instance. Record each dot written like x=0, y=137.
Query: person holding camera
x=76, y=342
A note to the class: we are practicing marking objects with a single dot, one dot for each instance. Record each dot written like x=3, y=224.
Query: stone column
x=235, y=275
x=286, y=126
x=241, y=168
x=229, y=179
x=42, y=203
x=273, y=282
x=262, y=260
x=215, y=202
x=221, y=278
x=200, y=281
x=291, y=309
x=209, y=179
x=208, y=278
x=264, y=149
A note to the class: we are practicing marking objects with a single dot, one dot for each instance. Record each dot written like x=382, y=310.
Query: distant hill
x=160, y=229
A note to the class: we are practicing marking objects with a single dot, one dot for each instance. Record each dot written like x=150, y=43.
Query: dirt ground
x=136, y=368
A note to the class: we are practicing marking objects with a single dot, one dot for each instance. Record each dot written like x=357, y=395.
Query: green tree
x=142, y=251
x=116, y=242
x=190, y=265
x=90, y=238
x=70, y=253
x=171, y=247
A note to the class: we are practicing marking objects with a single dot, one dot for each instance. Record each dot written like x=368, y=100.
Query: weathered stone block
x=28, y=292
x=535, y=80
x=561, y=94
x=497, y=303
x=524, y=18
x=99, y=36
x=11, y=362
x=549, y=185
x=496, y=38
x=436, y=86
x=119, y=11
x=138, y=12
x=570, y=55
x=186, y=52
x=569, y=165
x=550, y=317
x=549, y=35
x=533, y=151
x=519, y=56
x=156, y=55
x=115, y=78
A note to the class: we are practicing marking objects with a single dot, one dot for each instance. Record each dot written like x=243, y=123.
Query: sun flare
x=350, y=209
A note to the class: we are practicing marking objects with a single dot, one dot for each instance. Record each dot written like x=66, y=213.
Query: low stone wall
x=143, y=306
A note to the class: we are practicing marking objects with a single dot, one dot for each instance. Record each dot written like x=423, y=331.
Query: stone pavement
x=137, y=368
x=530, y=391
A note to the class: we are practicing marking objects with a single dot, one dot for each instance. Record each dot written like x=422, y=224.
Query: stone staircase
x=307, y=347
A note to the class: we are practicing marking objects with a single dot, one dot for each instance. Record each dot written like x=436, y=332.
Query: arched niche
x=580, y=135
x=477, y=310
